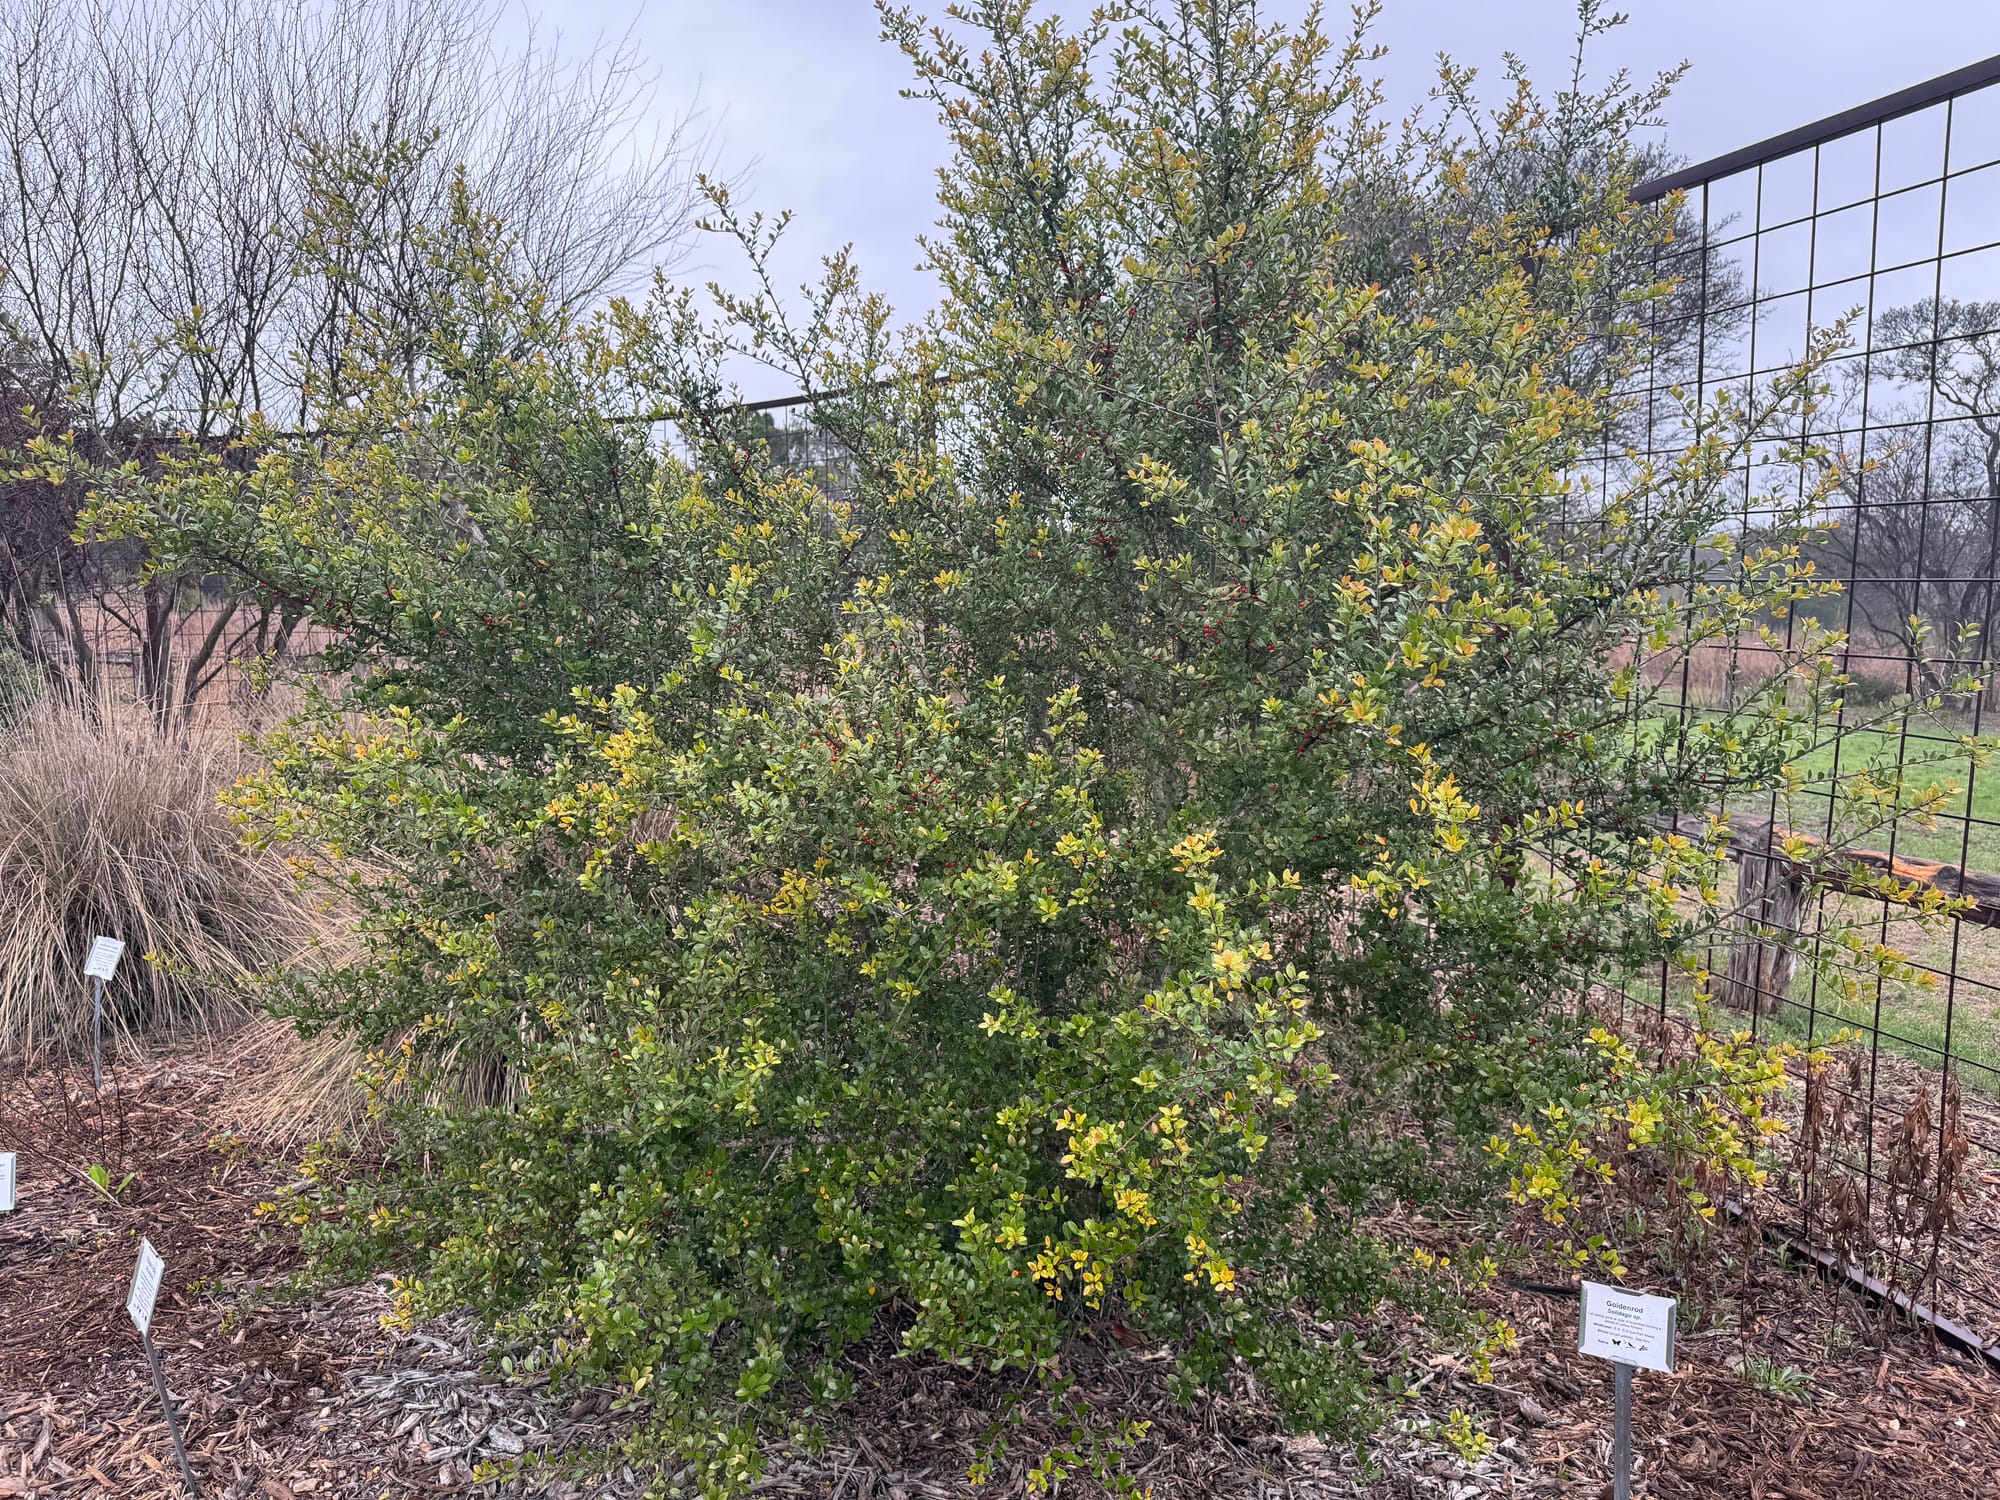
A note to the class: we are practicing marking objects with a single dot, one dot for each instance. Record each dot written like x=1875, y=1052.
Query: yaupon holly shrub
x=1166, y=782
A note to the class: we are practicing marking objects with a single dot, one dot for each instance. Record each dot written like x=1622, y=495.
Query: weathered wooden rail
x=1771, y=883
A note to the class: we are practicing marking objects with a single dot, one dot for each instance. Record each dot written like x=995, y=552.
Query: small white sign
x=104, y=955
x=1628, y=1328
x=6, y=1182
x=145, y=1286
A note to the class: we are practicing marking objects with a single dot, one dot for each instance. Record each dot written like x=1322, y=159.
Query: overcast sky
x=803, y=93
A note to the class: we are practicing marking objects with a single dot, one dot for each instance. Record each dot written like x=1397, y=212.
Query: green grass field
x=1913, y=1017
x=1964, y=829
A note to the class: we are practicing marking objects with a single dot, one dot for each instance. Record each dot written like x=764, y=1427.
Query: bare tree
x=164, y=271
x=1918, y=535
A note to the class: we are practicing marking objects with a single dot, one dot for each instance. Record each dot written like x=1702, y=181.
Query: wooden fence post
x=1764, y=954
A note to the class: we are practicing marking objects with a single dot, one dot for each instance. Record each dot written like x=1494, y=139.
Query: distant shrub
x=109, y=828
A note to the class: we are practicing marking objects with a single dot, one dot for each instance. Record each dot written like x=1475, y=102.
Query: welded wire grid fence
x=206, y=659
x=1887, y=218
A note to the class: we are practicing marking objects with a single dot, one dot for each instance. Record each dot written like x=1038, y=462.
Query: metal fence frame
x=1916, y=176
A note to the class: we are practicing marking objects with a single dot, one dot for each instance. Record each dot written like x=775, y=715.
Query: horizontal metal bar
x=780, y=403
x=775, y=403
x=1891, y=106
x=1833, y=1267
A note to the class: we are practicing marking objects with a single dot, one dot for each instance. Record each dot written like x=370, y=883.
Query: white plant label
x=145, y=1286
x=104, y=955
x=6, y=1182
x=1628, y=1328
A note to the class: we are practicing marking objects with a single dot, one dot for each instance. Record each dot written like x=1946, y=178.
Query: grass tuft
x=107, y=827
x=297, y=1089
x=1773, y=1379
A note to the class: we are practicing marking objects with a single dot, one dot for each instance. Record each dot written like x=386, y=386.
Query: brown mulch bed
x=287, y=1398
x=67, y=1254
x=279, y=1397
x=1901, y=1421
x=76, y=1397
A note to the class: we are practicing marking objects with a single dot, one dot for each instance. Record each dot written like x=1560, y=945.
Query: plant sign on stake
x=6, y=1182
x=1631, y=1329
x=139, y=1303
x=100, y=966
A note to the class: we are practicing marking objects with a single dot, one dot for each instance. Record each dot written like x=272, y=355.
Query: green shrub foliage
x=1171, y=762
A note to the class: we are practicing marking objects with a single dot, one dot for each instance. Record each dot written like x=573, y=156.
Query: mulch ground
x=1901, y=1421
x=79, y=1409
x=285, y=1397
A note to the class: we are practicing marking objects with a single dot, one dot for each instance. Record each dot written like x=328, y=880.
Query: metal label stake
x=173, y=1417
x=1633, y=1331
x=139, y=1302
x=101, y=965
x=1621, y=1433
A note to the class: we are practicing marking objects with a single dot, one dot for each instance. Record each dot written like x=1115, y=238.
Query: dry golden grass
x=107, y=826
x=297, y=1089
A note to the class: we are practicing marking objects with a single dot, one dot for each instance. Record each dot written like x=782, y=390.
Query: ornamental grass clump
x=109, y=827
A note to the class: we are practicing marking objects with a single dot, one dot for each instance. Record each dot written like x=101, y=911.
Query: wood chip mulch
x=1787, y=1386
x=1871, y=1411
x=286, y=1398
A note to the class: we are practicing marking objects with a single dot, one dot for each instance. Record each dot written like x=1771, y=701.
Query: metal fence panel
x=1887, y=215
